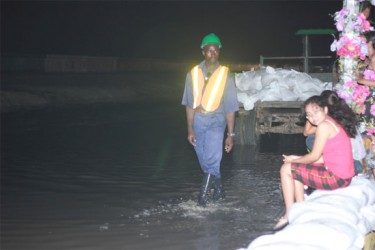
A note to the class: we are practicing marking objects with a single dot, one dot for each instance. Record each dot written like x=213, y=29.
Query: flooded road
x=122, y=176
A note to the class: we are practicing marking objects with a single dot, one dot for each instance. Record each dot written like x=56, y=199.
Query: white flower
x=334, y=45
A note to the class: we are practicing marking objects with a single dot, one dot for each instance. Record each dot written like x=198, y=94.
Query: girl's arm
x=363, y=81
x=309, y=129
x=321, y=136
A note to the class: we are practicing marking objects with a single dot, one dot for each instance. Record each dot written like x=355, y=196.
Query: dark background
x=164, y=29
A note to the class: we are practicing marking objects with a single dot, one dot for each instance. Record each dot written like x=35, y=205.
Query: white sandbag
x=270, y=70
x=274, y=86
x=320, y=211
x=312, y=236
x=269, y=95
x=287, y=95
x=250, y=102
x=267, y=80
x=249, y=80
x=242, y=97
x=337, y=219
x=304, y=96
x=290, y=84
x=368, y=217
x=284, y=84
x=309, y=85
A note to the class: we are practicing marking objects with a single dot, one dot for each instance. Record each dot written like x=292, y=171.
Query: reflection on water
x=124, y=177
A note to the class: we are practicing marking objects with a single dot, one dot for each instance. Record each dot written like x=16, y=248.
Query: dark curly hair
x=337, y=109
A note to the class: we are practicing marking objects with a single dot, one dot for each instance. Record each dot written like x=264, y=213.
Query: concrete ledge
x=21, y=91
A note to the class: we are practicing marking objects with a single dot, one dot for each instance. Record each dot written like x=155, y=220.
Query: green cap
x=211, y=39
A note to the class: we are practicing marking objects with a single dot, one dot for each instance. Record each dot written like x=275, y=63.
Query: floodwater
x=122, y=176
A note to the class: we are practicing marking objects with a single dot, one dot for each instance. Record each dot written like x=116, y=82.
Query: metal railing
x=304, y=58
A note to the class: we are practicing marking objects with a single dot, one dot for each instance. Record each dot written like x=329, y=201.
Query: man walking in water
x=211, y=102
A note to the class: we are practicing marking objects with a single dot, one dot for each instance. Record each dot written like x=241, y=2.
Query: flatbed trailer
x=280, y=117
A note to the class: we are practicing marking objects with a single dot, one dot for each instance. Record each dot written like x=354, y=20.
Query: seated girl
x=310, y=129
x=329, y=165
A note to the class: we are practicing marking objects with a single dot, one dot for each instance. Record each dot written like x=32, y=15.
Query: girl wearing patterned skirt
x=329, y=165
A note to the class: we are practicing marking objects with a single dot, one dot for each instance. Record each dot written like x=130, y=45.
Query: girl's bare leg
x=287, y=185
x=299, y=191
x=288, y=189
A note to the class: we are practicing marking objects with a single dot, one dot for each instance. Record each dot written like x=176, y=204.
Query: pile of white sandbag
x=337, y=219
x=270, y=84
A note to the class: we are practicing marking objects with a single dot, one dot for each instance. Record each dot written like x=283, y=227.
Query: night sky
x=163, y=29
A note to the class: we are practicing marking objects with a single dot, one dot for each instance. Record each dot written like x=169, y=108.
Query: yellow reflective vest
x=209, y=96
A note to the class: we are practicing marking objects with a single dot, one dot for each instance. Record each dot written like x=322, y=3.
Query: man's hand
x=228, y=144
x=191, y=139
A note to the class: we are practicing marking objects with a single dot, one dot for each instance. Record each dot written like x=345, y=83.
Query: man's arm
x=230, y=119
x=190, y=121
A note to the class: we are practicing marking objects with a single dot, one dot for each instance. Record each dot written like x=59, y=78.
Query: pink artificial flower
x=355, y=95
x=362, y=25
x=349, y=50
x=372, y=109
x=340, y=17
x=359, y=98
x=370, y=131
x=369, y=74
x=350, y=84
x=346, y=95
x=361, y=92
x=350, y=47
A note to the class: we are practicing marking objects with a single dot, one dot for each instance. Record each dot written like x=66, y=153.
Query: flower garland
x=355, y=95
x=351, y=48
x=370, y=126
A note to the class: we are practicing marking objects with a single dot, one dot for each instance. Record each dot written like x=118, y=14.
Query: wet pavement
x=122, y=176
